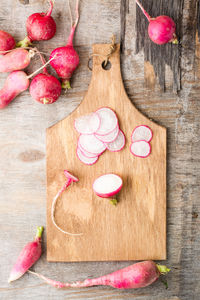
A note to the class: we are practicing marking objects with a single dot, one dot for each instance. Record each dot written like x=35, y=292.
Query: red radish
x=17, y=59
x=44, y=87
x=110, y=137
x=16, y=83
x=67, y=58
x=141, y=149
x=118, y=144
x=107, y=185
x=7, y=42
x=85, y=159
x=27, y=257
x=91, y=144
x=87, y=124
x=40, y=27
x=162, y=29
x=108, y=121
x=134, y=276
x=142, y=132
x=70, y=180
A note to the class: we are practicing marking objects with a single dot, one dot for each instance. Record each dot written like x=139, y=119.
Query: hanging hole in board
x=106, y=65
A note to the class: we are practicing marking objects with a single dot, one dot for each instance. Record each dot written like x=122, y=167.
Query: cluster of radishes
x=98, y=131
x=44, y=87
x=141, y=138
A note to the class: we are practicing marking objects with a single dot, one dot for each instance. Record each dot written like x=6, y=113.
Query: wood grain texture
x=22, y=132
x=139, y=219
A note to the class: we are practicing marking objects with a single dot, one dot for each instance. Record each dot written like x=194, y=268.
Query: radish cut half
x=87, y=124
x=91, y=144
x=118, y=144
x=107, y=185
x=70, y=176
x=84, y=159
x=108, y=121
x=141, y=149
x=110, y=137
x=142, y=132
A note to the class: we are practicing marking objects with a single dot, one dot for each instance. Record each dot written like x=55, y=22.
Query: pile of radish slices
x=98, y=131
x=141, y=138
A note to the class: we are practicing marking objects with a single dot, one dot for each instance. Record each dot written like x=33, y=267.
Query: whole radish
x=161, y=30
x=17, y=59
x=67, y=58
x=135, y=276
x=39, y=27
x=27, y=257
x=44, y=87
x=7, y=42
x=16, y=83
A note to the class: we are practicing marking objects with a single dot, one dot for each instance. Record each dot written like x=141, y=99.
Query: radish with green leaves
x=135, y=276
x=7, y=42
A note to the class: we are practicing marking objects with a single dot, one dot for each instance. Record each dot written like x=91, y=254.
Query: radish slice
x=118, y=144
x=87, y=124
x=70, y=176
x=91, y=144
x=142, y=132
x=108, y=138
x=84, y=159
x=141, y=149
x=107, y=185
x=87, y=154
x=108, y=121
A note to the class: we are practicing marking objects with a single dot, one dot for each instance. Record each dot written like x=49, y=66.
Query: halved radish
x=108, y=121
x=87, y=124
x=110, y=137
x=84, y=159
x=70, y=176
x=107, y=185
x=142, y=132
x=88, y=154
x=91, y=144
x=141, y=149
x=118, y=144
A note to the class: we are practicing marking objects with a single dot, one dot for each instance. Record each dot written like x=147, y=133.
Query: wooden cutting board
x=136, y=228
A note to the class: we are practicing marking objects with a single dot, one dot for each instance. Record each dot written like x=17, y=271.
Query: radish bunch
x=98, y=131
x=141, y=137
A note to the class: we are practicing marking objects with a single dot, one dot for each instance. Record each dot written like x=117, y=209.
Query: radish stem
x=144, y=11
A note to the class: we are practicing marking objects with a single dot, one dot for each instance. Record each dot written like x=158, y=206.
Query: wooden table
x=22, y=148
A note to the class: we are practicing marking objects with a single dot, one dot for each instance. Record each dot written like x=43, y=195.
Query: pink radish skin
x=107, y=185
x=110, y=137
x=87, y=124
x=162, y=29
x=118, y=144
x=70, y=176
x=16, y=83
x=18, y=59
x=67, y=59
x=135, y=276
x=7, y=42
x=84, y=159
x=27, y=257
x=143, y=152
x=40, y=27
x=142, y=132
x=108, y=119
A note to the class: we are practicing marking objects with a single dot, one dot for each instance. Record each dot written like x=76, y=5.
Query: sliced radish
x=108, y=138
x=107, y=185
x=142, y=132
x=87, y=124
x=141, y=149
x=88, y=154
x=70, y=176
x=84, y=159
x=118, y=144
x=108, y=121
x=91, y=144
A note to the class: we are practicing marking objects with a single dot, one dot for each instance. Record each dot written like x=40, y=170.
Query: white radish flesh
x=118, y=144
x=91, y=144
x=142, y=132
x=88, y=154
x=141, y=149
x=108, y=121
x=108, y=138
x=84, y=159
x=87, y=124
x=107, y=185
